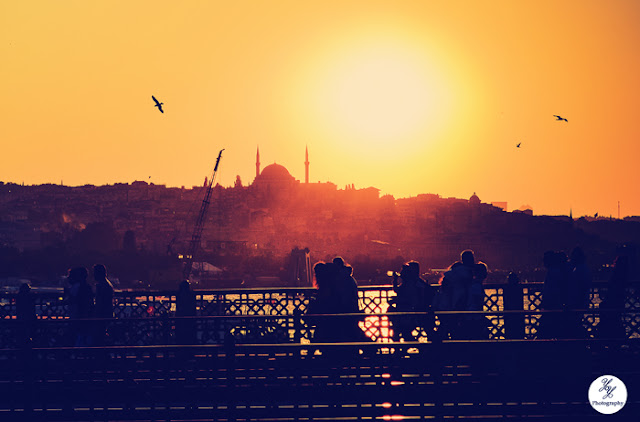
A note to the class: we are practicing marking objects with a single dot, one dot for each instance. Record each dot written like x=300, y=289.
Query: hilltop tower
x=257, y=161
x=306, y=164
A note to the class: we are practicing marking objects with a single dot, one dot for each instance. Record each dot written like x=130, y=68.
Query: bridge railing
x=301, y=328
x=275, y=301
x=132, y=308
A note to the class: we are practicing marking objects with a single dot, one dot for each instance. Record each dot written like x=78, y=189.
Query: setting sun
x=379, y=94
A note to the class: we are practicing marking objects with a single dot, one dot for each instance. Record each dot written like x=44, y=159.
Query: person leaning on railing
x=104, y=303
x=455, y=288
x=81, y=306
x=475, y=326
x=578, y=291
x=25, y=314
x=329, y=299
x=513, y=300
x=611, y=321
x=186, y=330
x=413, y=294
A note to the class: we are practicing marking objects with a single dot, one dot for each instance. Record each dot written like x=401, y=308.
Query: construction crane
x=197, y=230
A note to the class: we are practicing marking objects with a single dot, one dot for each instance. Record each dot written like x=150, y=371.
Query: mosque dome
x=275, y=172
x=274, y=177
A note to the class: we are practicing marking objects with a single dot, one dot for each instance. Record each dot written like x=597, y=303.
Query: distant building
x=525, y=209
x=501, y=205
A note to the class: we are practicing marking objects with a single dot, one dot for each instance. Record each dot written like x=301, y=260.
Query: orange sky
x=407, y=96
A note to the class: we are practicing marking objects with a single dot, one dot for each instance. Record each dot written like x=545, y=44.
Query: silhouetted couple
x=83, y=304
x=413, y=294
x=462, y=290
x=337, y=293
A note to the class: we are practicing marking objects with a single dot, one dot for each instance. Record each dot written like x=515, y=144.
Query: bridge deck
x=294, y=382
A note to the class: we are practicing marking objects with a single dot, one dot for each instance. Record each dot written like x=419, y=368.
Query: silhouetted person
x=321, y=302
x=454, y=295
x=476, y=291
x=578, y=292
x=611, y=319
x=25, y=314
x=554, y=294
x=413, y=294
x=513, y=300
x=104, y=302
x=475, y=326
x=346, y=292
x=81, y=305
x=580, y=281
x=325, y=301
x=186, y=332
x=104, y=292
x=346, y=287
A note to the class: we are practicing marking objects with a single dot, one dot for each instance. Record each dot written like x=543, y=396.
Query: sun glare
x=378, y=96
x=380, y=93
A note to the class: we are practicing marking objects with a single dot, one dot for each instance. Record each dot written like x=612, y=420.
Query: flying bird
x=560, y=118
x=158, y=104
x=518, y=146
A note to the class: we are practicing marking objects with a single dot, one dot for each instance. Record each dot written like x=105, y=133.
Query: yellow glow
x=379, y=95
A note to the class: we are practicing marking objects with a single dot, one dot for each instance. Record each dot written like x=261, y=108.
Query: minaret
x=257, y=161
x=306, y=164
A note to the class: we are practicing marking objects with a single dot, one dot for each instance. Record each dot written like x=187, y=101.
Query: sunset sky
x=407, y=96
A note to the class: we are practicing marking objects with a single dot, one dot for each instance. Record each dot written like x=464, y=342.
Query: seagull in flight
x=158, y=104
x=518, y=146
x=560, y=118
